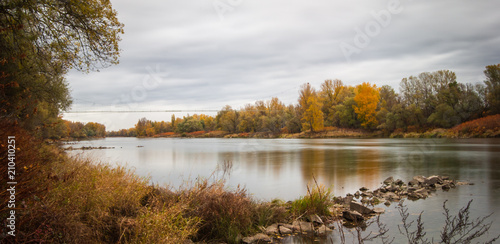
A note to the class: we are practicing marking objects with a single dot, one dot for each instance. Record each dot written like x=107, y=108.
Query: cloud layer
x=205, y=54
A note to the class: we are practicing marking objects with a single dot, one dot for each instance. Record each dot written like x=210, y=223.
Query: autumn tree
x=250, y=119
x=275, y=119
x=228, y=119
x=330, y=96
x=312, y=116
x=366, y=98
x=39, y=42
x=492, y=83
x=78, y=34
x=144, y=127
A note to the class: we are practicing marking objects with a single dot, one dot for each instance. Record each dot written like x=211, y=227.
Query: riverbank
x=487, y=127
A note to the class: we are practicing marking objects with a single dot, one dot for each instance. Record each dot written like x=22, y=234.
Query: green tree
x=492, y=83
x=189, y=124
x=292, y=119
x=388, y=100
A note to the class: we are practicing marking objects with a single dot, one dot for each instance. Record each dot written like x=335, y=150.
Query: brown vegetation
x=484, y=127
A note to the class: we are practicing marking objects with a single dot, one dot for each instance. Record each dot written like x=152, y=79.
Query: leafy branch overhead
x=77, y=34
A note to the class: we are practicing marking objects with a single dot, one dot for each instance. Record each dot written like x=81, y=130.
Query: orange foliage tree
x=366, y=98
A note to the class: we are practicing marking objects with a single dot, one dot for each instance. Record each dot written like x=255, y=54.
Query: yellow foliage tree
x=366, y=98
x=312, y=119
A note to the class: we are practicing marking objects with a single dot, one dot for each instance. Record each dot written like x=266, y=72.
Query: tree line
x=426, y=101
x=74, y=130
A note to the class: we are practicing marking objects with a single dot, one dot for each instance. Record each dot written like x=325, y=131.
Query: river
x=282, y=168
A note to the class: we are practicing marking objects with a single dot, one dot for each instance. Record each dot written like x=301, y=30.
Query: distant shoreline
x=335, y=133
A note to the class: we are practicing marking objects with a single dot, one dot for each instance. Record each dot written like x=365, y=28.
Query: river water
x=282, y=168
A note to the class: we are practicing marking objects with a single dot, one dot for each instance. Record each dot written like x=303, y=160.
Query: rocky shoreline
x=347, y=211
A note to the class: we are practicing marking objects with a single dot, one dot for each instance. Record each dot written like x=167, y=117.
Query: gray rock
x=412, y=189
x=432, y=180
x=288, y=226
x=272, y=230
x=285, y=231
x=323, y=230
x=379, y=210
x=414, y=196
x=363, y=189
x=420, y=179
x=423, y=192
x=387, y=203
x=302, y=226
x=347, y=200
x=391, y=188
x=399, y=182
x=257, y=238
x=353, y=216
x=358, y=207
x=389, y=181
x=413, y=183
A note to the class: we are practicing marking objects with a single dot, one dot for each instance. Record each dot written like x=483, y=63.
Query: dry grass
x=484, y=127
x=317, y=201
x=66, y=200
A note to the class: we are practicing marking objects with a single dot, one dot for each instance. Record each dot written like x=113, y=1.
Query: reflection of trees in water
x=341, y=167
x=494, y=183
x=311, y=162
x=368, y=170
x=264, y=162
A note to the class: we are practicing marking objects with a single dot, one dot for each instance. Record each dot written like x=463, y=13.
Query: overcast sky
x=202, y=55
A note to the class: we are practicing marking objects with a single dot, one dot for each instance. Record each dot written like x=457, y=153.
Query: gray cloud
x=269, y=48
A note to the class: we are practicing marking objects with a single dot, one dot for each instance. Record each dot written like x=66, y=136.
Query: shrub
x=268, y=213
x=224, y=215
x=484, y=127
x=317, y=201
